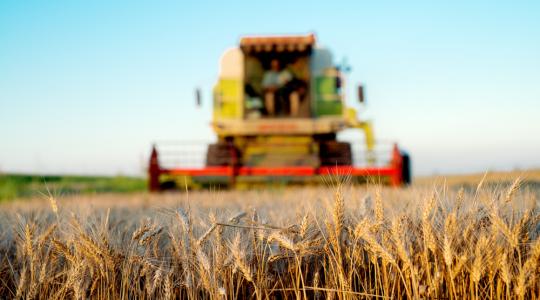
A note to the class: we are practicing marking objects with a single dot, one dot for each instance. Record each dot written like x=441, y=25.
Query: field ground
x=531, y=176
x=17, y=186
x=430, y=240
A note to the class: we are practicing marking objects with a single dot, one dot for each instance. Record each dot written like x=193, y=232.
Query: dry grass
x=339, y=242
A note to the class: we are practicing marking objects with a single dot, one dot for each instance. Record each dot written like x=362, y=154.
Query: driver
x=274, y=80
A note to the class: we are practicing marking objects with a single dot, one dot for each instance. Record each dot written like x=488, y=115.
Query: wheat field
x=337, y=241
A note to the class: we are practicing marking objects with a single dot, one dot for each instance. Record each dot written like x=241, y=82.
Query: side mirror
x=198, y=97
x=361, y=98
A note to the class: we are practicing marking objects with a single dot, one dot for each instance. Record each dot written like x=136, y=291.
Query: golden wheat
x=420, y=242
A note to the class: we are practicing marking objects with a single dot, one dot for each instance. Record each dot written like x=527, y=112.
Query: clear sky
x=86, y=86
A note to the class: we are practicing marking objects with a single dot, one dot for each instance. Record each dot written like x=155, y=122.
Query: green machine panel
x=327, y=98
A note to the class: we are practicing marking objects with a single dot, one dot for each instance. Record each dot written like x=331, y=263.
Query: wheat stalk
x=512, y=190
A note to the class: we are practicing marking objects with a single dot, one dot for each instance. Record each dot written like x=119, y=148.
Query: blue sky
x=86, y=86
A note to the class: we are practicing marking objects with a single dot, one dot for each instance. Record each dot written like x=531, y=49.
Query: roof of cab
x=289, y=43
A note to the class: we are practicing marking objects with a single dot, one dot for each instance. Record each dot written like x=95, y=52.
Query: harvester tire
x=219, y=155
x=406, y=168
x=333, y=153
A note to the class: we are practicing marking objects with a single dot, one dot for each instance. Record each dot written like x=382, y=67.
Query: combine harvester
x=277, y=108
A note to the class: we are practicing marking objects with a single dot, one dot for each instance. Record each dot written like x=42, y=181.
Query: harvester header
x=278, y=105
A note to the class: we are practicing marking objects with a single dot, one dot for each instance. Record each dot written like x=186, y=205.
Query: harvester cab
x=278, y=105
x=277, y=79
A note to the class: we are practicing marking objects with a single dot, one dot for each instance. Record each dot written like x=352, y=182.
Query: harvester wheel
x=406, y=168
x=220, y=155
x=334, y=153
